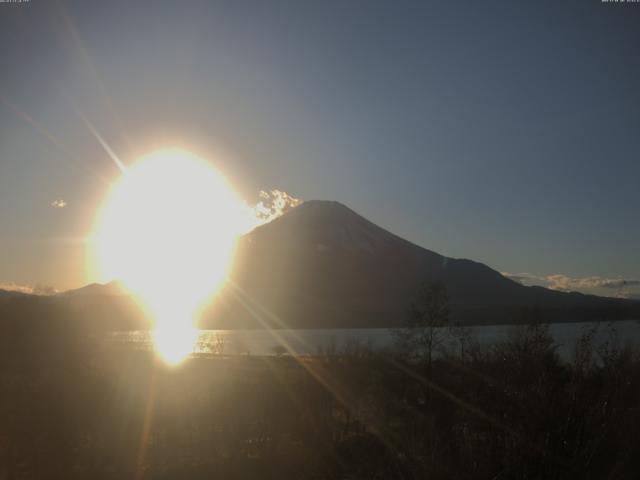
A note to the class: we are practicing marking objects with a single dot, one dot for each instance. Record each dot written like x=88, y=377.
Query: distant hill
x=111, y=288
x=5, y=295
x=96, y=306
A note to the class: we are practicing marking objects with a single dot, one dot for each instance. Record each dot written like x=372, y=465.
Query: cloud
x=523, y=278
x=273, y=204
x=567, y=283
x=38, y=289
x=270, y=205
x=58, y=203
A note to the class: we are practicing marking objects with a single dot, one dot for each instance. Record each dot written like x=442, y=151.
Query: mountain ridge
x=322, y=265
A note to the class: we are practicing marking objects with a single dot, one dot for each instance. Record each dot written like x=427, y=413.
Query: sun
x=167, y=230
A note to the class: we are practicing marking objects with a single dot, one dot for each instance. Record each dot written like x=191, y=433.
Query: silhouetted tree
x=74, y=405
x=461, y=336
x=424, y=332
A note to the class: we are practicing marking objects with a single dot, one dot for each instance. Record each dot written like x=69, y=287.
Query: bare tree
x=424, y=332
x=461, y=336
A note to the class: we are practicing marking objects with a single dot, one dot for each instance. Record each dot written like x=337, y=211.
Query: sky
x=501, y=131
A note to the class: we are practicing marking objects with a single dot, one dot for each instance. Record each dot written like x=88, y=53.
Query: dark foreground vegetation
x=75, y=406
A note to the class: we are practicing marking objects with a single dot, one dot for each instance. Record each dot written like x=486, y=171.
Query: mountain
x=6, y=295
x=322, y=265
x=95, y=307
x=93, y=289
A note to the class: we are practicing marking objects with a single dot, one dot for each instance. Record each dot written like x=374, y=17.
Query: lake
x=313, y=341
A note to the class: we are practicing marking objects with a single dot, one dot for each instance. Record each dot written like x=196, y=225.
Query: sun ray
x=72, y=158
x=146, y=425
x=86, y=59
x=107, y=148
x=336, y=389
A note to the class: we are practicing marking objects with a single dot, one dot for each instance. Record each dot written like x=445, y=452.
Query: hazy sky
x=502, y=131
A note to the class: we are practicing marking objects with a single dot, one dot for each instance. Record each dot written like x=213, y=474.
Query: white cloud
x=565, y=282
x=524, y=278
x=273, y=204
x=28, y=289
x=617, y=286
x=58, y=203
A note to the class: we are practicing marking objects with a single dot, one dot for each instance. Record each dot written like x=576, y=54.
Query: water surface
x=315, y=341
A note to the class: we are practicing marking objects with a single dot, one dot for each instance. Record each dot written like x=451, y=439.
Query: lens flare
x=174, y=344
x=167, y=230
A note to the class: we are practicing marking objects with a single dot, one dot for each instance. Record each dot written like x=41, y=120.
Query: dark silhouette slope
x=323, y=265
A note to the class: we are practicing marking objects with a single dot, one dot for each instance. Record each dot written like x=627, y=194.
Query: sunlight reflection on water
x=314, y=341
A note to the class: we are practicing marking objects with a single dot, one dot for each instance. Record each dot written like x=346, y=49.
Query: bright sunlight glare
x=167, y=230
